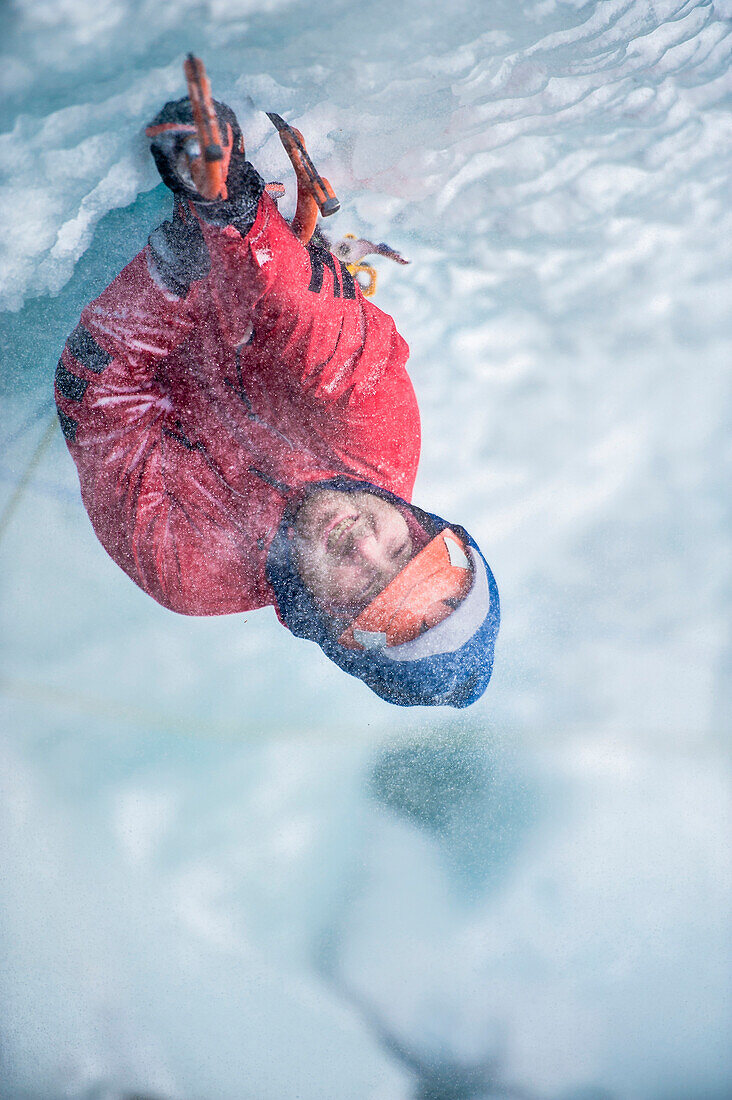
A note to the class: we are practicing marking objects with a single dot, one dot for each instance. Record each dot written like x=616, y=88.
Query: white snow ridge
x=229, y=872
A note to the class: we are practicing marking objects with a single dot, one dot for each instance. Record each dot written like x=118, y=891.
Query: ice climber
x=246, y=434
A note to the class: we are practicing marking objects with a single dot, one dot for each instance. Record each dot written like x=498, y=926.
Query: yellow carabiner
x=356, y=269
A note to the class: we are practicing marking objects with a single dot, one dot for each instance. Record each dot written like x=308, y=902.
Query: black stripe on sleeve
x=179, y=437
x=349, y=288
x=84, y=348
x=69, y=385
x=320, y=258
x=68, y=426
x=279, y=485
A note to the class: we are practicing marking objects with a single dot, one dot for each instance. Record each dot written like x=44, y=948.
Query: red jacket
x=188, y=449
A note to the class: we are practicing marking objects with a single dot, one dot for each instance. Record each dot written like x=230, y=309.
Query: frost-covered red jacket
x=195, y=414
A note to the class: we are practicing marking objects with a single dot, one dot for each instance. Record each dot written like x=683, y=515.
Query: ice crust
x=186, y=813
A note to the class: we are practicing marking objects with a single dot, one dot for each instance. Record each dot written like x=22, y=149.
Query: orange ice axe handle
x=319, y=188
x=209, y=170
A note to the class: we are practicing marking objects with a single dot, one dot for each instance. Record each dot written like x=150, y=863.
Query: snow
x=189, y=812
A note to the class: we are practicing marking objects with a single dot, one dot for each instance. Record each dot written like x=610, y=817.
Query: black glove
x=244, y=185
x=174, y=142
x=177, y=254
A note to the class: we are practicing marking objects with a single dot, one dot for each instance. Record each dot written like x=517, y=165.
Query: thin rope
x=17, y=494
x=46, y=406
x=234, y=729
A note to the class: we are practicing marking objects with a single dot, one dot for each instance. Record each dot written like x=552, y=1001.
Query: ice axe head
x=176, y=146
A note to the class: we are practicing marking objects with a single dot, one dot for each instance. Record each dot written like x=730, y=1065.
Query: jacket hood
x=449, y=665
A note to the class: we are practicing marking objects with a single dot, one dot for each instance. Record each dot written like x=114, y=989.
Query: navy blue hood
x=449, y=665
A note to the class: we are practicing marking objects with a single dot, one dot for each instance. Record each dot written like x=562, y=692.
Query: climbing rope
x=17, y=495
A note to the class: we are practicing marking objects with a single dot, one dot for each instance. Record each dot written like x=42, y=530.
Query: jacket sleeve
x=157, y=503
x=313, y=324
x=377, y=428
x=339, y=357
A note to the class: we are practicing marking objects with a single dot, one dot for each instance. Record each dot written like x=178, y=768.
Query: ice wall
x=189, y=807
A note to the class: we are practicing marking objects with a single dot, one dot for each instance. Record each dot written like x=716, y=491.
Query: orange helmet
x=424, y=593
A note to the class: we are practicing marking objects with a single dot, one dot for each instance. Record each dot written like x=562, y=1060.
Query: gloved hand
x=244, y=186
x=175, y=144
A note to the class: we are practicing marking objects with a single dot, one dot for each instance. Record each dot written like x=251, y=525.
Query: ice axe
x=210, y=167
x=314, y=193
